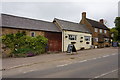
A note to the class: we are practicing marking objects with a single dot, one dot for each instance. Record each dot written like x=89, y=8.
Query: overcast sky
x=66, y=10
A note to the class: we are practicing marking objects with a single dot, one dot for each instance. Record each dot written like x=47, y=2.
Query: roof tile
x=72, y=26
x=26, y=23
x=96, y=24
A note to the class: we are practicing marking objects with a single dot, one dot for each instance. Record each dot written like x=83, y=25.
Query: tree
x=117, y=26
x=115, y=32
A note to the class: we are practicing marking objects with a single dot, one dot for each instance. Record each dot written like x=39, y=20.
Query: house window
x=87, y=42
x=96, y=29
x=105, y=31
x=106, y=40
x=96, y=39
x=81, y=41
x=100, y=30
x=72, y=37
x=87, y=38
x=112, y=35
x=33, y=34
x=81, y=37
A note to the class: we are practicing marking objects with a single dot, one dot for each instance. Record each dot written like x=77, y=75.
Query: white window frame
x=85, y=37
x=101, y=31
x=31, y=34
x=105, y=31
x=106, y=39
x=96, y=39
x=72, y=37
x=96, y=29
x=112, y=35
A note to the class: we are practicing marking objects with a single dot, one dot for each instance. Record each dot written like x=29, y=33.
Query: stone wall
x=28, y=32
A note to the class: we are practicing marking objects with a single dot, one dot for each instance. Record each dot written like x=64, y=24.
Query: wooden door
x=54, y=45
x=54, y=41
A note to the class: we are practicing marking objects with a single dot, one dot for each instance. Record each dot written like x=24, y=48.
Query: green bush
x=23, y=52
x=21, y=45
x=37, y=44
x=13, y=41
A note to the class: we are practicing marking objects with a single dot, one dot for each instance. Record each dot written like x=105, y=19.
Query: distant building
x=119, y=8
x=100, y=32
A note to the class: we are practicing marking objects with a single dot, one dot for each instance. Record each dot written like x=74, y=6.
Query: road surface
x=99, y=67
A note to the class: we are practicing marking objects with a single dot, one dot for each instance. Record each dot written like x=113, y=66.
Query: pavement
x=95, y=63
x=11, y=63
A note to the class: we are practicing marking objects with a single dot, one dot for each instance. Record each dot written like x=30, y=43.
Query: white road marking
x=65, y=64
x=93, y=58
x=105, y=74
x=106, y=55
x=82, y=61
x=28, y=71
x=31, y=70
x=62, y=65
x=85, y=60
x=59, y=65
x=18, y=66
x=114, y=54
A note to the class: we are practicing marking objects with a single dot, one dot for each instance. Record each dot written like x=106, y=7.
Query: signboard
x=115, y=44
x=71, y=48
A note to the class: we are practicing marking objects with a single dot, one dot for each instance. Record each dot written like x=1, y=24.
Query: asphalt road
x=100, y=67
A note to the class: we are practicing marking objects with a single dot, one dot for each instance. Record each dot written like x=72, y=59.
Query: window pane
x=32, y=34
x=96, y=39
x=106, y=39
x=72, y=37
x=104, y=31
x=96, y=30
x=100, y=30
x=87, y=38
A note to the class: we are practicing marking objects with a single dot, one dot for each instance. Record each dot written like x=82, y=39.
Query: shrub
x=13, y=41
x=23, y=52
x=37, y=44
x=22, y=45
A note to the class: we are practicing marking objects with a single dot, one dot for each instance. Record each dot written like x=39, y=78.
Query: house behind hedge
x=32, y=27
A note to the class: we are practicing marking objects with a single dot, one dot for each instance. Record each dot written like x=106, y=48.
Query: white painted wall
x=78, y=44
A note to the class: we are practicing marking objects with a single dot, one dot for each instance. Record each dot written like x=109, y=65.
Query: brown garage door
x=54, y=41
x=54, y=45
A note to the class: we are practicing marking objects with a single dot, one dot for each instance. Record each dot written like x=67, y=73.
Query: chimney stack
x=101, y=21
x=84, y=15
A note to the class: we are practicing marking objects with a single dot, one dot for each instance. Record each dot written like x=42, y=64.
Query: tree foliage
x=117, y=26
x=115, y=32
x=117, y=23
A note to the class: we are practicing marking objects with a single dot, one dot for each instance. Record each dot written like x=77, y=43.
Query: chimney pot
x=84, y=15
x=101, y=21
